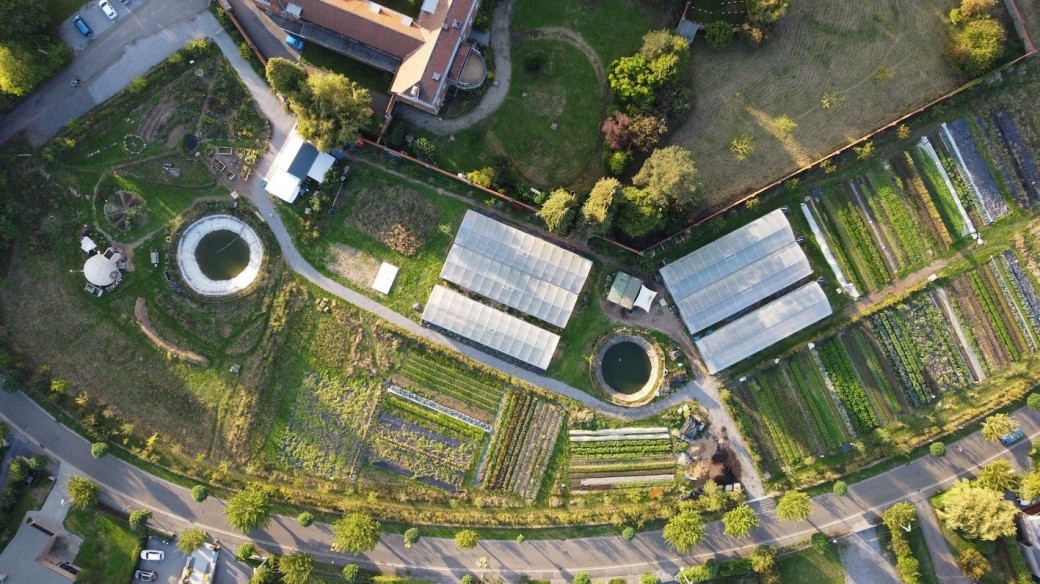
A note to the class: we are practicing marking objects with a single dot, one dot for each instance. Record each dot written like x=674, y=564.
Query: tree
x=23, y=18
x=649, y=578
x=669, y=173
x=763, y=559
x=468, y=579
x=1029, y=486
x=83, y=494
x=794, y=506
x=138, y=518
x=332, y=111
x=937, y=449
x=628, y=533
x=296, y=568
x=718, y=34
x=998, y=475
x=423, y=147
x=633, y=82
x=660, y=43
x=977, y=45
x=840, y=488
x=899, y=516
x=190, y=540
x=617, y=132
x=581, y=578
x=997, y=426
x=684, y=530
x=411, y=536
x=244, y=552
x=286, y=77
x=1033, y=401
x=355, y=533
x=199, y=493
x=18, y=70
x=764, y=13
x=249, y=509
x=740, y=521
x=973, y=564
x=351, y=573
x=558, y=211
x=486, y=177
x=598, y=211
x=639, y=211
x=646, y=131
x=978, y=512
x=466, y=539
x=17, y=470
x=264, y=574
x=98, y=449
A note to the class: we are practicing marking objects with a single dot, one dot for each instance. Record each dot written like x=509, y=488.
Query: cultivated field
x=821, y=48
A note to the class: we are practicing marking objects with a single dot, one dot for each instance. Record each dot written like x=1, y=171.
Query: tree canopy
x=285, y=76
x=296, y=568
x=978, y=512
x=249, y=509
x=997, y=426
x=28, y=54
x=639, y=211
x=558, y=211
x=190, y=540
x=973, y=564
x=684, y=530
x=669, y=173
x=899, y=516
x=998, y=475
x=977, y=45
x=794, y=506
x=355, y=533
x=636, y=79
x=1029, y=486
x=332, y=111
x=83, y=493
x=740, y=521
x=598, y=211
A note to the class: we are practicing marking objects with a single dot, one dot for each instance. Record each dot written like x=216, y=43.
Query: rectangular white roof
x=490, y=327
x=290, y=148
x=385, y=278
x=283, y=185
x=735, y=271
x=757, y=330
x=321, y=166
x=516, y=269
x=728, y=296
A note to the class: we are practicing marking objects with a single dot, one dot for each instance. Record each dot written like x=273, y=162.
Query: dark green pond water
x=222, y=255
x=626, y=367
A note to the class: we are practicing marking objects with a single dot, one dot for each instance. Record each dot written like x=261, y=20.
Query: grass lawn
x=924, y=557
x=365, y=75
x=110, y=548
x=560, y=87
x=819, y=48
x=812, y=567
x=613, y=28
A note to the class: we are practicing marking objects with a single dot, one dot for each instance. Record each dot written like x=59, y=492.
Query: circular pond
x=626, y=367
x=219, y=255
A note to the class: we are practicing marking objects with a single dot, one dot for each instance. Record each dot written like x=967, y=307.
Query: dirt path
x=141, y=312
x=898, y=288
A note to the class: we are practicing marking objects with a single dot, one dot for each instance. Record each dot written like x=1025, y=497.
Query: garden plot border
x=189, y=266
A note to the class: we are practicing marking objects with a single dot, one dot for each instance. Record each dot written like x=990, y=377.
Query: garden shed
x=385, y=278
x=297, y=161
x=625, y=290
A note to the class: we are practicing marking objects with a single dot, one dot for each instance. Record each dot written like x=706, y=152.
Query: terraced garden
x=611, y=460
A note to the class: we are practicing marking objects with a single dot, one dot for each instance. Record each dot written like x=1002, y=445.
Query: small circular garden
x=628, y=368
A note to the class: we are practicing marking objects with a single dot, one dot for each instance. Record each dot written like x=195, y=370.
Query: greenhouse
x=735, y=271
x=501, y=332
x=761, y=328
x=516, y=269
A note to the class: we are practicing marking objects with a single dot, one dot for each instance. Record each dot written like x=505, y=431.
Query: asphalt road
x=601, y=557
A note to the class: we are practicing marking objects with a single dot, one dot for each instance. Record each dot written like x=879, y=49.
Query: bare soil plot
x=396, y=217
x=821, y=48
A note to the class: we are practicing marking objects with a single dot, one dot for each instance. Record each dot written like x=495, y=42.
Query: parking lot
x=96, y=20
x=170, y=568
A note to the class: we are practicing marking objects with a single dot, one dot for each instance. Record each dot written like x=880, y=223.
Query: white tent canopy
x=87, y=244
x=490, y=327
x=100, y=270
x=385, y=278
x=761, y=328
x=645, y=299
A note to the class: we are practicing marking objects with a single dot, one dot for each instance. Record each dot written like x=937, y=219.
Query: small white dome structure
x=102, y=269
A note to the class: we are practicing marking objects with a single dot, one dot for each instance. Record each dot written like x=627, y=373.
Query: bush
x=18, y=470
x=1033, y=401
x=628, y=533
x=937, y=449
x=244, y=552
x=351, y=573
x=199, y=493
x=411, y=535
x=38, y=462
x=649, y=578
x=98, y=449
x=581, y=578
x=820, y=542
x=83, y=494
x=138, y=518
x=305, y=519
x=137, y=85
x=520, y=538
x=840, y=488
x=466, y=539
x=617, y=162
x=719, y=34
x=468, y=579
x=423, y=148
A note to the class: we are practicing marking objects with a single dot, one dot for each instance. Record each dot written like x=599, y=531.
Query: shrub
x=411, y=535
x=520, y=538
x=138, y=518
x=305, y=519
x=649, y=578
x=582, y=578
x=38, y=462
x=719, y=34
x=1033, y=401
x=423, y=147
x=199, y=493
x=245, y=551
x=466, y=539
x=485, y=177
x=83, y=494
x=17, y=470
x=98, y=449
x=973, y=564
x=628, y=533
x=840, y=488
x=617, y=162
x=468, y=579
x=137, y=85
x=937, y=449
x=820, y=542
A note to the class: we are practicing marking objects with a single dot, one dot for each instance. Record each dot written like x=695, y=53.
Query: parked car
x=82, y=26
x=294, y=42
x=145, y=575
x=107, y=9
x=156, y=555
x=1013, y=437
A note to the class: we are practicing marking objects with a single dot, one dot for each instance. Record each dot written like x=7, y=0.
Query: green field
x=110, y=548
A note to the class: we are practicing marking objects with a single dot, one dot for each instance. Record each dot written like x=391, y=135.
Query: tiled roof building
x=427, y=54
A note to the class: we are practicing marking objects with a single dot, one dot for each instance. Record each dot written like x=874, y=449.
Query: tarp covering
x=735, y=271
x=761, y=328
x=490, y=327
x=645, y=299
x=284, y=186
x=516, y=269
x=87, y=244
x=385, y=278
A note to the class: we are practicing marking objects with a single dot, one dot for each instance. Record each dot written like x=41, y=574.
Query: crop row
x=789, y=450
x=440, y=379
x=1023, y=287
x=620, y=448
x=930, y=332
x=427, y=418
x=911, y=238
x=865, y=359
x=806, y=377
x=871, y=266
x=1013, y=303
x=993, y=315
x=902, y=356
x=914, y=186
x=840, y=371
x=522, y=445
x=929, y=172
x=591, y=466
